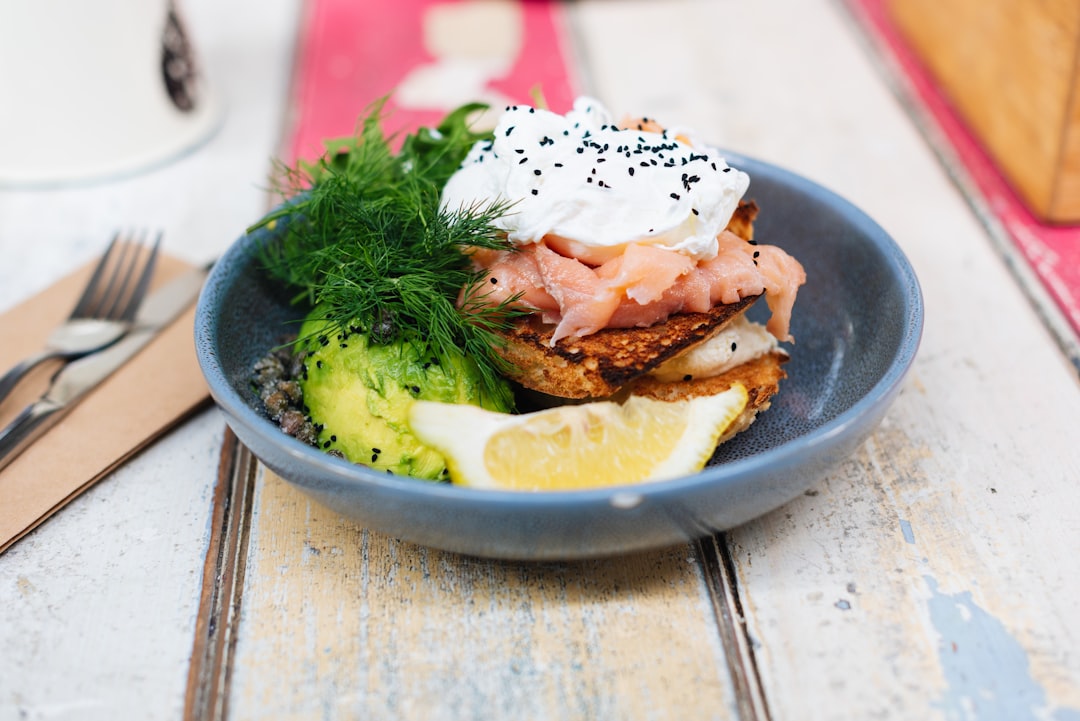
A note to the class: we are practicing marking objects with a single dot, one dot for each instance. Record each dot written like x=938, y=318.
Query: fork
x=105, y=310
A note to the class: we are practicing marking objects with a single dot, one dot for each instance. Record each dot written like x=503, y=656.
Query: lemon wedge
x=576, y=446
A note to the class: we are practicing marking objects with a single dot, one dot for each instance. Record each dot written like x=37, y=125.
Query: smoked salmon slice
x=642, y=286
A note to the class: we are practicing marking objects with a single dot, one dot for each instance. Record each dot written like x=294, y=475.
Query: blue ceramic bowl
x=857, y=321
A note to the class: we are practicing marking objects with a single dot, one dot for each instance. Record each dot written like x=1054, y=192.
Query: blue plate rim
x=784, y=455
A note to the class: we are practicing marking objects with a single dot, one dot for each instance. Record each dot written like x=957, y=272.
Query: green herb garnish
x=363, y=238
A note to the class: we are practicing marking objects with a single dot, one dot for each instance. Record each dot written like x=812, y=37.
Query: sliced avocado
x=358, y=394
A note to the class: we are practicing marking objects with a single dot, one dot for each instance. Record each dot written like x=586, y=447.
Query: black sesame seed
x=733, y=347
x=493, y=282
x=688, y=377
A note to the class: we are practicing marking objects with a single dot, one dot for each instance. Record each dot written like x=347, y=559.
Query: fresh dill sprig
x=363, y=238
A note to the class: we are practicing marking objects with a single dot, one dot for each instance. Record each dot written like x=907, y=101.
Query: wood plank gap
x=720, y=577
x=210, y=670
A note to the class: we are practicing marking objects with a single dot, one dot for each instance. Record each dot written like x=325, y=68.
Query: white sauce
x=740, y=342
x=579, y=178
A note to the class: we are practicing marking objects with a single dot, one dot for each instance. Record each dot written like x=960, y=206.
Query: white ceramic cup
x=94, y=89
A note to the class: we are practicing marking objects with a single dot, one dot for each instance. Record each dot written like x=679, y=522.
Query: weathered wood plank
x=338, y=620
x=926, y=577
x=99, y=602
x=98, y=606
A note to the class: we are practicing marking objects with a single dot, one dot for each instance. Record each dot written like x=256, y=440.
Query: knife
x=79, y=377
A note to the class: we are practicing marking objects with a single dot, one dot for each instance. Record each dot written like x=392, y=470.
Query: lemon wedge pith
x=577, y=446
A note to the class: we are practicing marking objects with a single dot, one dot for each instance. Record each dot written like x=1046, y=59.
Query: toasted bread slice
x=599, y=364
x=742, y=220
x=761, y=377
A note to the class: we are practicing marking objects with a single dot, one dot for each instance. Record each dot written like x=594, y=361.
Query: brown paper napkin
x=156, y=389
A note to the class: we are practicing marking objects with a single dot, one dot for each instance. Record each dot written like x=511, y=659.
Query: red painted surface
x=353, y=53
x=1052, y=251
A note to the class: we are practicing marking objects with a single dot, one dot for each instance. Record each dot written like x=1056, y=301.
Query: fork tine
x=109, y=299
x=114, y=299
x=90, y=293
x=134, y=300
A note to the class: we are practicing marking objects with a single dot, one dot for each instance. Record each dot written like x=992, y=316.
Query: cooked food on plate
x=593, y=273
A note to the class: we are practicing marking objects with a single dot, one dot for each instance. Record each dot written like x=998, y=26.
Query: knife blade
x=79, y=377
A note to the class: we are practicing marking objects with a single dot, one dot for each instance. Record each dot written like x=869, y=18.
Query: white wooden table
x=934, y=575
